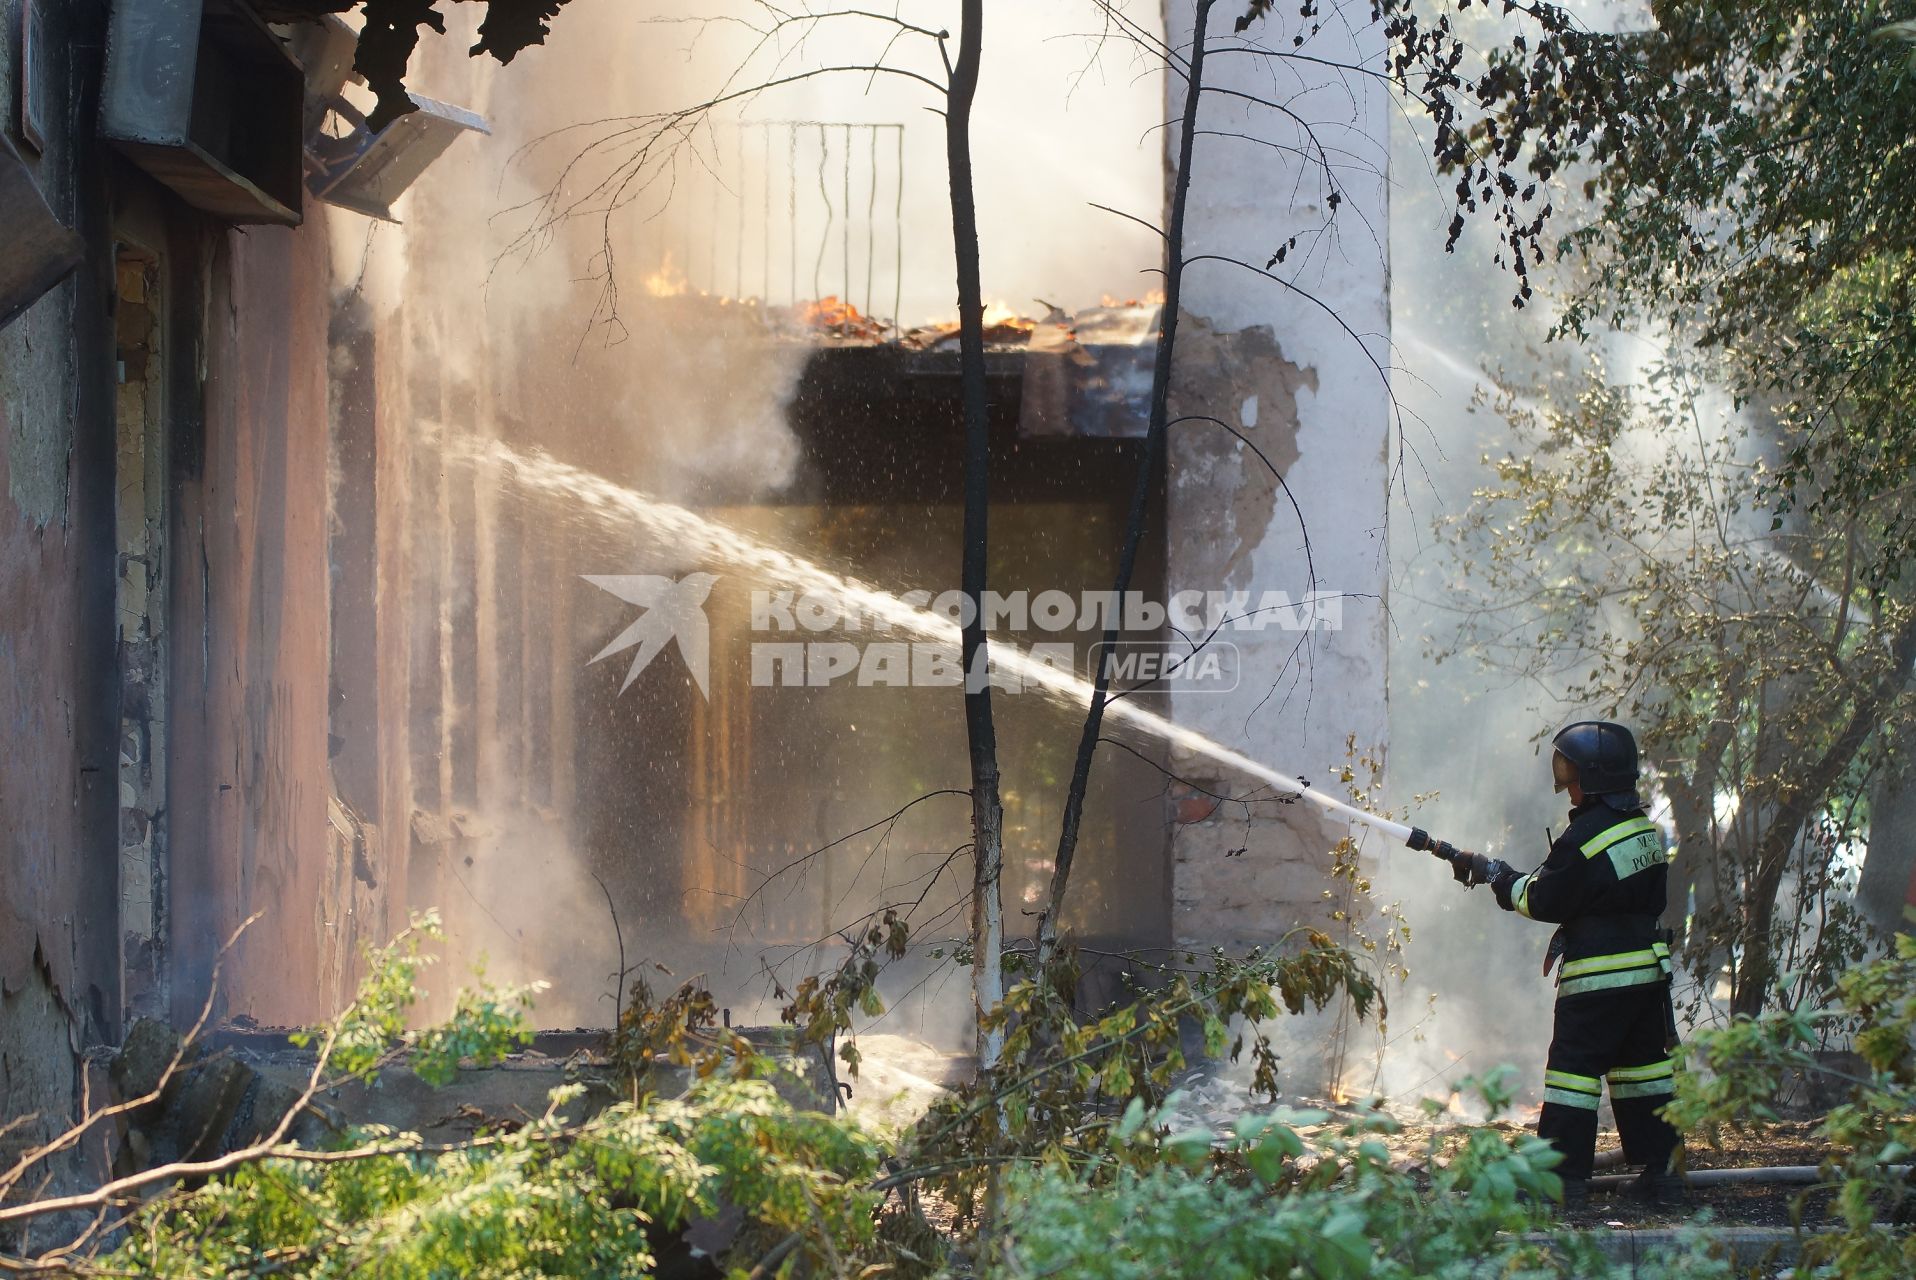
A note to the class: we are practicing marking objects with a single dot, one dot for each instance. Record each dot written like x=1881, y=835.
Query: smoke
x=567, y=286
x=633, y=329
x=469, y=340
x=551, y=288
x=1476, y=997
x=835, y=184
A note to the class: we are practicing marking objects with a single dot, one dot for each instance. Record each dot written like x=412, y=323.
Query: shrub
x=1733, y=1076
x=1263, y=1201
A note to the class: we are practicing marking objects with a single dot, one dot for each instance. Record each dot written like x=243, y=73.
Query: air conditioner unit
x=202, y=96
x=39, y=250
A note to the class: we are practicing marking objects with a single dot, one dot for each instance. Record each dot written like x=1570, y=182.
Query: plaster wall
x=240, y=472
x=1302, y=376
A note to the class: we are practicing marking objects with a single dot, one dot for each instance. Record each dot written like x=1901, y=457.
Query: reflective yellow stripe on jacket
x=1520, y=896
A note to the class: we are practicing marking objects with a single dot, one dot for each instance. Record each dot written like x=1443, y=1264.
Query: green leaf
x=1189, y=1146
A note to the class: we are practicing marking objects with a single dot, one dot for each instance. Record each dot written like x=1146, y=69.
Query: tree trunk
x=987, y=810
x=1808, y=784
x=1154, y=446
x=1758, y=969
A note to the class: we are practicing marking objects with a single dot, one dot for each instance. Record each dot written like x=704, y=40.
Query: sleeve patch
x=1637, y=853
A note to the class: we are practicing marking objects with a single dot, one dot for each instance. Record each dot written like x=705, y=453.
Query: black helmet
x=1602, y=757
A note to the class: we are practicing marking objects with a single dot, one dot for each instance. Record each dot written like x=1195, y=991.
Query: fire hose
x=1776, y=1175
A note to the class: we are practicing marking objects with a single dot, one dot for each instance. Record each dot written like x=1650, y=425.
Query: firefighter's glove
x=1473, y=869
x=1470, y=869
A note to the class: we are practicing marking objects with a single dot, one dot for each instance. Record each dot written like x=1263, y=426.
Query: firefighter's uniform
x=1603, y=884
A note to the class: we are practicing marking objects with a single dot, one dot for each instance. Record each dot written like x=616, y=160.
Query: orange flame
x=997, y=313
x=829, y=313
x=668, y=281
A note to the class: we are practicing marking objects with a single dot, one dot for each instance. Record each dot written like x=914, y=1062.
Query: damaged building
x=318, y=532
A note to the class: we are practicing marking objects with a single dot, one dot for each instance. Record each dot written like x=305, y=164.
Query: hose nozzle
x=1420, y=839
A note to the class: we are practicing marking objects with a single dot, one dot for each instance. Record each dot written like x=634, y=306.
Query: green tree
x=1621, y=558
x=1729, y=575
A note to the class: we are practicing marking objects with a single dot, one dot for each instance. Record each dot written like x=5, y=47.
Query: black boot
x=1576, y=1194
x=1660, y=1189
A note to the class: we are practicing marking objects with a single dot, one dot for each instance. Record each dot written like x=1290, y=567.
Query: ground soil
x=1790, y=1143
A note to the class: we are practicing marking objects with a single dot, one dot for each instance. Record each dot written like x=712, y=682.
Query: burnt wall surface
x=880, y=423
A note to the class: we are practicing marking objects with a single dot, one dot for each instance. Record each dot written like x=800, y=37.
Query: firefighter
x=1602, y=885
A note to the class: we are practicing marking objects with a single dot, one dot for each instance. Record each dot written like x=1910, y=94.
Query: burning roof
x=1086, y=373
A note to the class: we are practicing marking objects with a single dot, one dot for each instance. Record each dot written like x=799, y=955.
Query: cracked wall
x=39, y=1065
x=140, y=621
